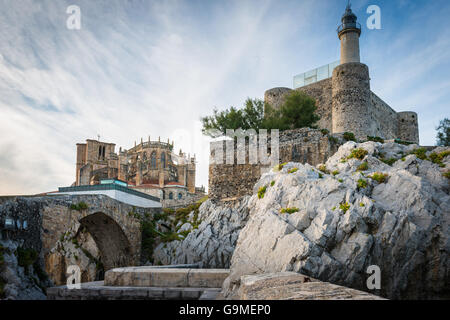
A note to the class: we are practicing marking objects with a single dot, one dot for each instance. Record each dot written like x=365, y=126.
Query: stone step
x=165, y=277
x=98, y=291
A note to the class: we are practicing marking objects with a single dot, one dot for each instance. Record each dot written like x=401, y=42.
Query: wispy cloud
x=139, y=68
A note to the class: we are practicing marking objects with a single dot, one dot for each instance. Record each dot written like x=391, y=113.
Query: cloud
x=139, y=68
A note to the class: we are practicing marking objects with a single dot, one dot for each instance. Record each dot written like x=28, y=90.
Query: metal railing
x=343, y=26
x=99, y=187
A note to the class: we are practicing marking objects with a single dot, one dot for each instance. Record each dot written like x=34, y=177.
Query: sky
x=141, y=67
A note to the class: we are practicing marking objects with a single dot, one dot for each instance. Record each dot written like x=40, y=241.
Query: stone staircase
x=147, y=283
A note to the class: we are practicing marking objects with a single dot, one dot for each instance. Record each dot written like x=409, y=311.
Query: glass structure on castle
x=315, y=75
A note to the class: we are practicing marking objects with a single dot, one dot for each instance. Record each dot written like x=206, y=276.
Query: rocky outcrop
x=21, y=275
x=76, y=247
x=294, y=286
x=213, y=243
x=370, y=204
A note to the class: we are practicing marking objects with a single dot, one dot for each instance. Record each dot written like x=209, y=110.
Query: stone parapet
x=166, y=277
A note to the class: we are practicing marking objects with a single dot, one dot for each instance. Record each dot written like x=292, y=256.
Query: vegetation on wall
x=375, y=139
x=349, y=136
x=79, y=206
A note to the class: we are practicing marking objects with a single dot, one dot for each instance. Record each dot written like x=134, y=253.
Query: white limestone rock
x=213, y=243
x=340, y=228
x=18, y=284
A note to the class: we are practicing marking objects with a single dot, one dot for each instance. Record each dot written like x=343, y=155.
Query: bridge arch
x=113, y=226
x=112, y=242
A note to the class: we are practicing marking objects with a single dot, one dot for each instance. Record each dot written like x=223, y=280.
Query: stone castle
x=345, y=102
x=150, y=167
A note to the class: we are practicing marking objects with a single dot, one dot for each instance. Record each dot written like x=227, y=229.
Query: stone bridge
x=41, y=222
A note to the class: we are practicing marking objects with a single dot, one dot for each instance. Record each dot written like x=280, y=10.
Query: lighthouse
x=351, y=104
x=349, y=32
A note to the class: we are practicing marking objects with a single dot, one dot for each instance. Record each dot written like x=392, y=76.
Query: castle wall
x=384, y=118
x=275, y=96
x=228, y=181
x=351, y=100
x=408, y=126
x=322, y=92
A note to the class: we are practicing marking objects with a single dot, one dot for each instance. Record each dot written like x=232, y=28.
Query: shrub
x=293, y=170
x=363, y=166
x=320, y=176
x=261, y=192
x=446, y=174
x=2, y=288
x=375, y=139
x=289, y=210
x=334, y=208
x=403, y=142
x=324, y=131
x=390, y=161
x=170, y=236
x=184, y=233
x=272, y=183
x=362, y=184
x=2, y=258
x=79, y=206
x=324, y=169
x=349, y=136
x=344, y=207
x=379, y=177
x=341, y=180
x=335, y=173
x=420, y=153
x=168, y=210
x=359, y=154
x=333, y=140
x=362, y=204
x=438, y=157
x=26, y=257
x=280, y=166
x=203, y=199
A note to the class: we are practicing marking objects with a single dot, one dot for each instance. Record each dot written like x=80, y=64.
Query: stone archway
x=113, y=244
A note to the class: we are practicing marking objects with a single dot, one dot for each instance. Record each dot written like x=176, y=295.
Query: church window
x=180, y=195
x=153, y=160
x=163, y=160
x=171, y=195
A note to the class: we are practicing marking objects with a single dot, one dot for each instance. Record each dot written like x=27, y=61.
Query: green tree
x=298, y=111
x=443, y=133
x=250, y=117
